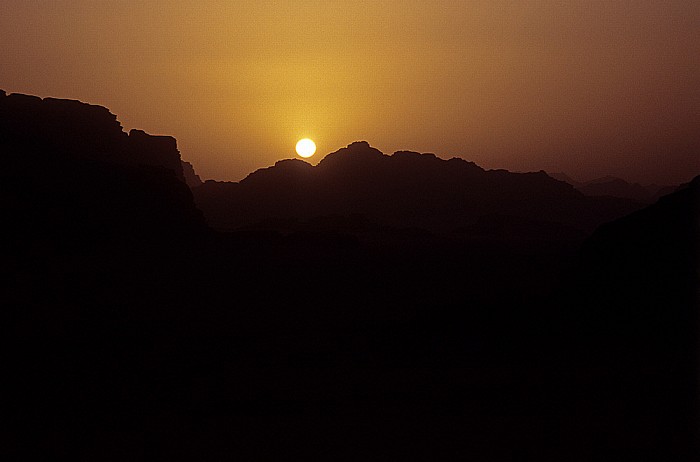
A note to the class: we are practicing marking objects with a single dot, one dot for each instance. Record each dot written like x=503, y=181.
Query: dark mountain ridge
x=404, y=190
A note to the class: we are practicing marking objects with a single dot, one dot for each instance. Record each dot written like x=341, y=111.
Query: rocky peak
x=283, y=171
x=357, y=155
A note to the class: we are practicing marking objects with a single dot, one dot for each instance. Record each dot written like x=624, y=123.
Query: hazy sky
x=585, y=87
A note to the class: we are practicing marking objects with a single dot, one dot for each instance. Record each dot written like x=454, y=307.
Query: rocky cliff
x=81, y=131
x=71, y=173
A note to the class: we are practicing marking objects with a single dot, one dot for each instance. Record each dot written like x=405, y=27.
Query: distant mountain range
x=617, y=187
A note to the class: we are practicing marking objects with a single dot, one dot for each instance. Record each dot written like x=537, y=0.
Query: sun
x=306, y=147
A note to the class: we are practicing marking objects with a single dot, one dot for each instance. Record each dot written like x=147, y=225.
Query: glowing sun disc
x=306, y=147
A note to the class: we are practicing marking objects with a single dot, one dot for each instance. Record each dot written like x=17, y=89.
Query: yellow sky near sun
x=589, y=88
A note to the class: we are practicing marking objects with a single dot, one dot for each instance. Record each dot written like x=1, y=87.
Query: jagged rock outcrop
x=159, y=151
x=71, y=174
x=191, y=178
x=66, y=127
x=81, y=131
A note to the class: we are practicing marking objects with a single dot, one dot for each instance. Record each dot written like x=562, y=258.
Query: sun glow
x=306, y=147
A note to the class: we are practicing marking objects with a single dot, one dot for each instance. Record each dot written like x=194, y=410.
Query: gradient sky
x=585, y=87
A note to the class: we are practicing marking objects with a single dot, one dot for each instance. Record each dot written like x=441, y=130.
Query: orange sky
x=585, y=87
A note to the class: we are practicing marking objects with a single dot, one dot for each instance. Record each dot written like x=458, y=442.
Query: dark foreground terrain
x=421, y=309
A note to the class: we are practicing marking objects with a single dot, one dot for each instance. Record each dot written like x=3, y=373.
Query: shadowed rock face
x=630, y=311
x=638, y=273
x=191, y=178
x=406, y=189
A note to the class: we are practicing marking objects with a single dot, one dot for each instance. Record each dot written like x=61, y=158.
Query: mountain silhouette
x=413, y=306
x=617, y=187
x=404, y=190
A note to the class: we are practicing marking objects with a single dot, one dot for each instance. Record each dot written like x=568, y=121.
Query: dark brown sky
x=585, y=87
